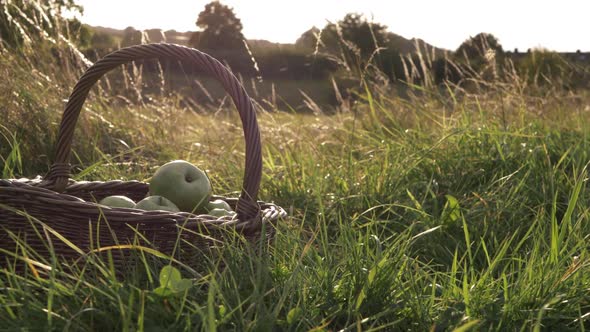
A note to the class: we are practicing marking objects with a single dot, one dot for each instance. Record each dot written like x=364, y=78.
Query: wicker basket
x=57, y=214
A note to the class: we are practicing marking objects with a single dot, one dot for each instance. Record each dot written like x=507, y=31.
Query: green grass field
x=441, y=211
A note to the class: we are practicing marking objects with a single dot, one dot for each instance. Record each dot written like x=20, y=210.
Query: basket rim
x=269, y=212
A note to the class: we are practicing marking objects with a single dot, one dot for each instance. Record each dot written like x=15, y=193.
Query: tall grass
x=442, y=208
x=442, y=223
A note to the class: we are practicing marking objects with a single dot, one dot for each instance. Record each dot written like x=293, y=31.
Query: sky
x=562, y=25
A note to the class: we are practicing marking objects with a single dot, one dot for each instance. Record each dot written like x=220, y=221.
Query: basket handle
x=59, y=173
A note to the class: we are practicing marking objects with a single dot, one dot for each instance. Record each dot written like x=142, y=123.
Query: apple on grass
x=118, y=201
x=151, y=203
x=183, y=183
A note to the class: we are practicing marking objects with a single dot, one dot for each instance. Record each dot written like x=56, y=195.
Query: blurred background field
x=428, y=189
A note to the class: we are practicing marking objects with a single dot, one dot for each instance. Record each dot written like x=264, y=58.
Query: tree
x=367, y=36
x=479, y=46
x=131, y=37
x=79, y=33
x=356, y=44
x=351, y=42
x=354, y=32
x=479, y=57
x=543, y=67
x=220, y=28
x=103, y=41
x=309, y=39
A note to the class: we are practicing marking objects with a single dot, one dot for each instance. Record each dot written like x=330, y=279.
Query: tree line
x=352, y=46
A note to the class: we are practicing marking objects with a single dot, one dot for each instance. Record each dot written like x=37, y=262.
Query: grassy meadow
x=444, y=209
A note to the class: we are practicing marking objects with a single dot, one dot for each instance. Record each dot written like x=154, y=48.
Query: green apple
x=151, y=203
x=218, y=204
x=183, y=183
x=117, y=201
x=221, y=213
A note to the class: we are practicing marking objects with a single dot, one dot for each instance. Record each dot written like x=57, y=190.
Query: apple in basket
x=182, y=183
x=117, y=201
x=221, y=213
x=151, y=203
x=219, y=208
x=218, y=204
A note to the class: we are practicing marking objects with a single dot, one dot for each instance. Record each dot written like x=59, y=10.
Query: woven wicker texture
x=58, y=205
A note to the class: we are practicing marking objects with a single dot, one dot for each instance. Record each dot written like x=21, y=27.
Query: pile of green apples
x=177, y=186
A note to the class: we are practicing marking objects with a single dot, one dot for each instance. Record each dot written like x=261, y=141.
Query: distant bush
x=542, y=67
x=103, y=41
x=294, y=65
